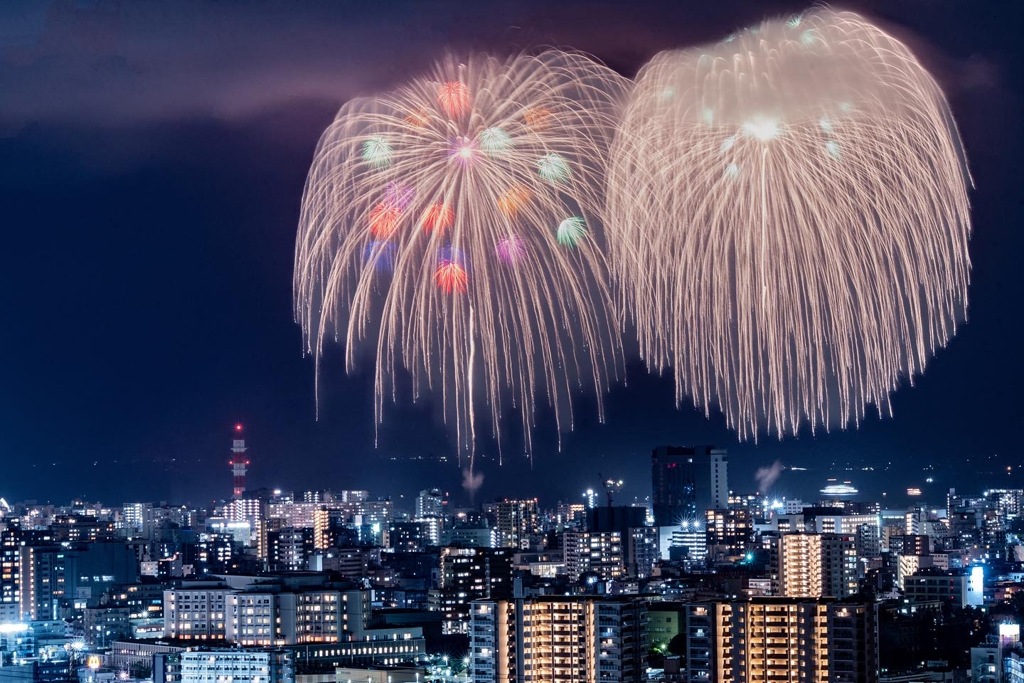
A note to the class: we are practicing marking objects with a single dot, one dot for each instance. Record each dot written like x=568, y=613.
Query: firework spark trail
x=788, y=218
x=453, y=226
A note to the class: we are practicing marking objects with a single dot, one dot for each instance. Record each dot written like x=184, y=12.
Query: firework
x=788, y=213
x=451, y=228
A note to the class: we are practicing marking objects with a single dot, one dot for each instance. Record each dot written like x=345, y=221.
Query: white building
x=195, y=613
x=264, y=615
x=218, y=666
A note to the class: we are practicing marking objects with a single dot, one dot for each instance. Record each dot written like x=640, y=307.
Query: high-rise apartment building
x=289, y=549
x=10, y=579
x=146, y=520
x=245, y=519
x=213, y=554
x=518, y=523
x=468, y=574
x=293, y=618
x=729, y=533
x=597, y=552
x=639, y=542
x=293, y=514
x=322, y=616
x=797, y=640
x=904, y=544
x=642, y=551
x=817, y=565
x=864, y=526
x=82, y=529
x=42, y=579
x=407, y=537
x=571, y=514
x=370, y=518
x=50, y=576
x=558, y=639
x=687, y=481
x=430, y=503
x=471, y=536
x=322, y=528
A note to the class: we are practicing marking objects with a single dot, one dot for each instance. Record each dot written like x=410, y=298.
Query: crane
x=610, y=487
x=607, y=488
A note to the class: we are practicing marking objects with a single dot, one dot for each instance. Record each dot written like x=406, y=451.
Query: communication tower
x=239, y=462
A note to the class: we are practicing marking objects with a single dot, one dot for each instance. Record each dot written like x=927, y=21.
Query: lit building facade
x=196, y=613
x=600, y=552
x=686, y=543
x=105, y=624
x=10, y=563
x=933, y=585
x=687, y=481
x=288, y=549
x=42, y=578
x=518, y=523
x=642, y=551
x=865, y=528
x=639, y=542
x=817, y=565
x=780, y=639
x=251, y=619
x=430, y=503
x=407, y=537
x=475, y=536
x=298, y=515
x=730, y=533
x=558, y=639
x=468, y=574
x=221, y=666
x=257, y=613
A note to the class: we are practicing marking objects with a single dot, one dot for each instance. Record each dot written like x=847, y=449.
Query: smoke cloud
x=767, y=476
x=472, y=481
x=112, y=62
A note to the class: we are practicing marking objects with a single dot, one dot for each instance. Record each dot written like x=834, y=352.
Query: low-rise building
x=217, y=666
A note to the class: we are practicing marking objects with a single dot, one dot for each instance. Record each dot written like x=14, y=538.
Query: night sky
x=152, y=158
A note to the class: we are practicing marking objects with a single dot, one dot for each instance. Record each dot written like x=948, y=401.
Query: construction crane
x=610, y=486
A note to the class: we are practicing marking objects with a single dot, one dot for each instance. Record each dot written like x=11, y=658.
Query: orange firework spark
x=418, y=119
x=384, y=219
x=453, y=98
x=438, y=218
x=451, y=278
x=537, y=118
x=512, y=200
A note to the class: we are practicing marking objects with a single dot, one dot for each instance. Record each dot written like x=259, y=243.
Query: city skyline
x=299, y=584
x=149, y=265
